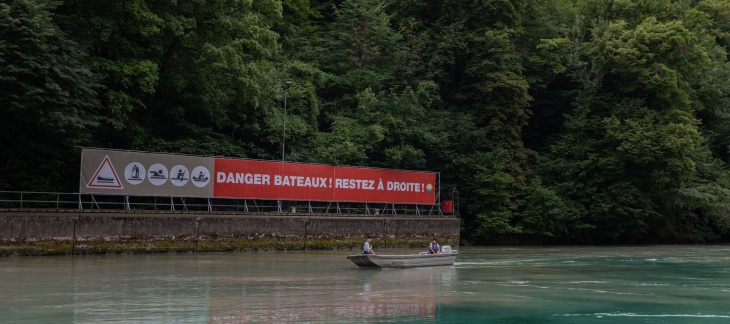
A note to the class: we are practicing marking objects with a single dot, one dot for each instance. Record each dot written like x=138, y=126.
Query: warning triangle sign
x=105, y=176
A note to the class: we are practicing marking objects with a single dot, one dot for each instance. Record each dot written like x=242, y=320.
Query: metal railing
x=25, y=200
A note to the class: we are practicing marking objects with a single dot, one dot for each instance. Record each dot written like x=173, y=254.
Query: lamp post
x=283, y=135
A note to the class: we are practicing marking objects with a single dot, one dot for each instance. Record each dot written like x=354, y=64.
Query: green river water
x=637, y=284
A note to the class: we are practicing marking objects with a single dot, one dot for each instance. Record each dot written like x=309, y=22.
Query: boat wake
x=622, y=314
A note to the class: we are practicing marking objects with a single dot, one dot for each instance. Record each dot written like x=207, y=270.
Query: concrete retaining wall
x=24, y=232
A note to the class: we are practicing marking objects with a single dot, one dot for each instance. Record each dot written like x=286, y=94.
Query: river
x=637, y=284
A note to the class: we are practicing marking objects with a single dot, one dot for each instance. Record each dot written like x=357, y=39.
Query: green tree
x=48, y=99
x=633, y=137
x=471, y=50
x=189, y=77
x=374, y=112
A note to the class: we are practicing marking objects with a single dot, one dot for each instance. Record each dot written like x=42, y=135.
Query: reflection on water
x=351, y=294
x=658, y=284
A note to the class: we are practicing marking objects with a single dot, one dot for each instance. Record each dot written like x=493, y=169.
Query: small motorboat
x=423, y=259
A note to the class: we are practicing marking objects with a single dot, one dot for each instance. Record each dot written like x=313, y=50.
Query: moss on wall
x=105, y=233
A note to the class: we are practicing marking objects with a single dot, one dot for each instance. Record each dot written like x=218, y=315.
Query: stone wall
x=42, y=232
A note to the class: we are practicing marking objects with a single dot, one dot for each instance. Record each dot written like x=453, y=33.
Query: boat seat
x=446, y=249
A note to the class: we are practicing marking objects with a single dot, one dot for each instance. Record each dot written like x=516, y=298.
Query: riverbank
x=63, y=232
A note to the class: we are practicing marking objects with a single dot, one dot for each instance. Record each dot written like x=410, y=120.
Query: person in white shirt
x=434, y=247
x=366, y=248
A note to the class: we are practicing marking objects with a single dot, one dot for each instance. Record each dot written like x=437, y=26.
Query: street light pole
x=283, y=135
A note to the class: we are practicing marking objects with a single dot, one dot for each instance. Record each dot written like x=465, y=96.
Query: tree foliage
x=558, y=121
x=633, y=137
x=48, y=98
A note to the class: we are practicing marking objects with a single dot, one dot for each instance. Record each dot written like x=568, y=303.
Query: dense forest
x=558, y=121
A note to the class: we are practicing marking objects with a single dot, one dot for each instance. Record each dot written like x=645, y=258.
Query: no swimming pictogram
x=105, y=176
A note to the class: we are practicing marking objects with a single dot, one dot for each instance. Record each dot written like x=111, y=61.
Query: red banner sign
x=292, y=181
x=141, y=173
